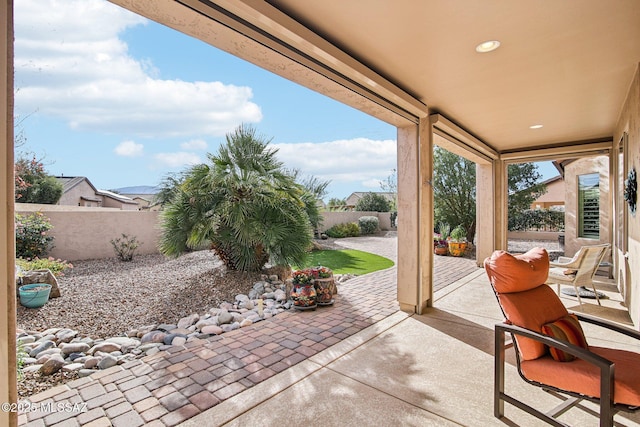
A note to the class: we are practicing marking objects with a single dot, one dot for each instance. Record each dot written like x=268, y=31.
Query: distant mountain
x=139, y=189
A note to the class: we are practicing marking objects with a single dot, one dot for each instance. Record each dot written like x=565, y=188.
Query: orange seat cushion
x=581, y=377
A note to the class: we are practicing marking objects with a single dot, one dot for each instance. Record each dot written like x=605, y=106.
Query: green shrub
x=373, y=202
x=57, y=266
x=368, y=224
x=350, y=229
x=21, y=354
x=125, y=247
x=32, y=235
x=537, y=220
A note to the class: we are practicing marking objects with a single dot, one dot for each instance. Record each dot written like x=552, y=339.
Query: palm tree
x=242, y=202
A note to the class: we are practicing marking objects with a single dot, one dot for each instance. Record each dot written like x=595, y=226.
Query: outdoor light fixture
x=535, y=126
x=488, y=46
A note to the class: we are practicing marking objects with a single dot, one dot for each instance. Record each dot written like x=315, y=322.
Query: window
x=589, y=206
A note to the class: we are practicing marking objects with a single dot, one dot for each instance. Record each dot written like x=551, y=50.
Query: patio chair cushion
x=566, y=329
x=524, y=298
x=531, y=309
x=582, y=377
x=516, y=273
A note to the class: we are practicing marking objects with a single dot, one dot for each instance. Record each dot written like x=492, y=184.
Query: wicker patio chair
x=579, y=270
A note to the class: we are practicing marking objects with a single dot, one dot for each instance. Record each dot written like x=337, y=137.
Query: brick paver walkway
x=174, y=385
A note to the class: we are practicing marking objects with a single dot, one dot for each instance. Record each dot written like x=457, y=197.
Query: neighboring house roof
x=115, y=196
x=68, y=182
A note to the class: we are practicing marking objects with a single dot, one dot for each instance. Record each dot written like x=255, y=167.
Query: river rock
x=179, y=340
x=181, y=331
x=107, y=362
x=225, y=317
x=85, y=372
x=105, y=347
x=26, y=339
x=66, y=335
x=71, y=367
x=53, y=365
x=42, y=347
x=168, y=339
x=166, y=327
x=124, y=341
x=74, y=347
x=206, y=322
x=42, y=276
x=212, y=330
x=153, y=336
x=91, y=362
x=185, y=322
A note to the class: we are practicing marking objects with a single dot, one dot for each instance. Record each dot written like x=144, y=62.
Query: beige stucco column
x=8, y=388
x=415, y=217
x=491, y=208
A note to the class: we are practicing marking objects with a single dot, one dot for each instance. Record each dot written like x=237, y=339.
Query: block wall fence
x=86, y=233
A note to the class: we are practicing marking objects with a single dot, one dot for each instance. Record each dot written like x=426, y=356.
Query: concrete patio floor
x=359, y=362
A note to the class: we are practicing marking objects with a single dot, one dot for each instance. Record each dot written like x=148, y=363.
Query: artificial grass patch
x=348, y=261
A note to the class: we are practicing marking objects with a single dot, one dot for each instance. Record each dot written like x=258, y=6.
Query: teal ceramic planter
x=34, y=295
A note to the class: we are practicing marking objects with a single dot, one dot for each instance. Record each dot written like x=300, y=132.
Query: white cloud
x=71, y=64
x=358, y=161
x=176, y=160
x=194, y=144
x=129, y=149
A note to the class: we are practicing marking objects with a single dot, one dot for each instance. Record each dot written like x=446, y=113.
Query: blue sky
x=106, y=94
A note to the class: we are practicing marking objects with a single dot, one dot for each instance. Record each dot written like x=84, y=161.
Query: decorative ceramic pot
x=324, y=290
x=438, y=250
x=304, y=296
x=34, y=295
x=457, y=248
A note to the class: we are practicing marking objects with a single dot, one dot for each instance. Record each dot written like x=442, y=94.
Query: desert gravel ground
x=108, y=297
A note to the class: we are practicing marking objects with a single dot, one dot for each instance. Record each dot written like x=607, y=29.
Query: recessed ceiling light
x=488, y=46
x=535, y=126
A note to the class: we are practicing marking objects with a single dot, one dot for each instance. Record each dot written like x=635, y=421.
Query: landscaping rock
x=75, y=347
x=53, y=365
x=42, y=276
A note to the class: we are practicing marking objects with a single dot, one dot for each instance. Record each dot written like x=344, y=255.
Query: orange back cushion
x=516, y=273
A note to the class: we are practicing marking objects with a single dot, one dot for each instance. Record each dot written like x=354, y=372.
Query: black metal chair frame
x=607, y=373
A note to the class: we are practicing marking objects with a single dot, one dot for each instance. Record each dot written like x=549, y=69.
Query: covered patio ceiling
x=566, y=65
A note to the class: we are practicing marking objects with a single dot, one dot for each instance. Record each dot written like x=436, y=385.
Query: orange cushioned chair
x=551, y=350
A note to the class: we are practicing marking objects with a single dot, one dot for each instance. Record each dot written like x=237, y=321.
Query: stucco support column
x=8, y=387
x=501, y=200
x=491, y=208
x=415, y=217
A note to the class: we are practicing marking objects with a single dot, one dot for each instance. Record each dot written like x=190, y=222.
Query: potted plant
x=440, y=245
x=324, y=284
x=303, y=292
x=458, y=242
x=440, y=239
